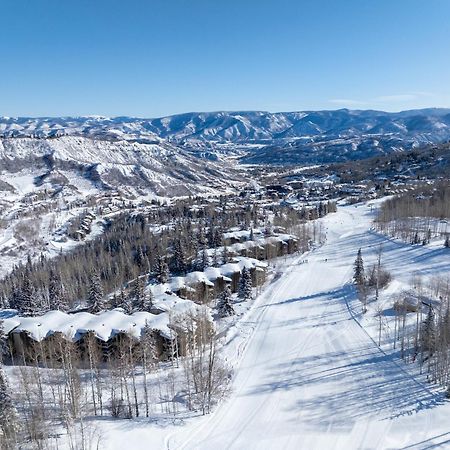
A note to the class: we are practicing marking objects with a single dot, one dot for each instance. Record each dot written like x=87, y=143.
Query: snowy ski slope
x=308, y=375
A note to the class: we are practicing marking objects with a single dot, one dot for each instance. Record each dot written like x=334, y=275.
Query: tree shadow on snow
x=340, y=387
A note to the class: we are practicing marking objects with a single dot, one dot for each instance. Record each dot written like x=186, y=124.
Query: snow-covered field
x=308, y=371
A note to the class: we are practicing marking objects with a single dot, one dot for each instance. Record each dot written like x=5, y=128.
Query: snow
x=241, y=234
x=308, y=373
x=208, y=277
x=258, y=242
x=173, y=304
x=104, y=325
x=213, y=273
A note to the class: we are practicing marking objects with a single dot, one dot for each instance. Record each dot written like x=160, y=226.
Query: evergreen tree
x=114, y=301
x=210, y=235
x=445, y=327
x=201, y=236
x=127, y=302
x=358, y=276
x=3, y=343
x=56, y=298
x=122, y=300
x=139, y=259
x=215, y=259
x=360, y=279
x=204, y=261
x=225, y=306
x=4, y=302
x=27, y=301
x=428, y=333
x=95, y=295
x=138, y=293
x=225, y=255
x=214, y=236
x=162, y=270
x=14, y=299
x=179, y=261
x=147, y=304
x=217, y=241
x=143, y=300
x=245, y=285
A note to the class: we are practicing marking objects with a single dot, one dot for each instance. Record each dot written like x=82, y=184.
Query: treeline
x=426, y=338
x=421, y=330
x=414, y=216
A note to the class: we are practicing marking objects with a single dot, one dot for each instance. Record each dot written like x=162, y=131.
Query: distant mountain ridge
x=237, y=126
x=258, y=136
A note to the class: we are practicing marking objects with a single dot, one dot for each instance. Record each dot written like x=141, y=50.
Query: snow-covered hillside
x=308, y=371
x=45, y=184
x=157, y=168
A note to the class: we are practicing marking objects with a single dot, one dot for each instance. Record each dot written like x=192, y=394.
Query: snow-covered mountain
x=118, y=128
x=260, y=137
x=258, y=126
x=238, y=127
x=74, y=163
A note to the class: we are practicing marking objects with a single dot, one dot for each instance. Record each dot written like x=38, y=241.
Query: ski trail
x=310, y=376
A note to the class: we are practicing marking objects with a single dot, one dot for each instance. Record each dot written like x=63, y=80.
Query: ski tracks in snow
x=307, y=374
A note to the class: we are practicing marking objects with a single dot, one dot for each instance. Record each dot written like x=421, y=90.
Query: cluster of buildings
x=184, y=296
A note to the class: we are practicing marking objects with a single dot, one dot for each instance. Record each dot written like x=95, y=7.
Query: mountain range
x=257, y=136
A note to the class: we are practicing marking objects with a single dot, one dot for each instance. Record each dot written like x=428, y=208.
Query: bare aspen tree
x=377, y=287
x=149, y=357
x=94, y=355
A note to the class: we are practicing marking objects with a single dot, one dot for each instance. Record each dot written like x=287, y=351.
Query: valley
x=163, y=290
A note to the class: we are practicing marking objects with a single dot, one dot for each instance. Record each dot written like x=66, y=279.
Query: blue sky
x=151, y=58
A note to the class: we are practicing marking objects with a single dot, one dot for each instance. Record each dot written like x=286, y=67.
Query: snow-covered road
x=310, y=376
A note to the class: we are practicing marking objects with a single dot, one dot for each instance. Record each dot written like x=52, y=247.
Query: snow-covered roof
x=241, y=234
x=230, y=268
x=246, y=245
x=198, y=277
x=213, y=273
x=249, y=263
x=159, y=289
x=280, y=238
x=208, y=276
x=177, y=283
x=173, y=304
x=104, y=325
x=9, y=319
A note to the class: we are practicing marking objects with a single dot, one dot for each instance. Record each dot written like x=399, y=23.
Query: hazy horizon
x=222, y=111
